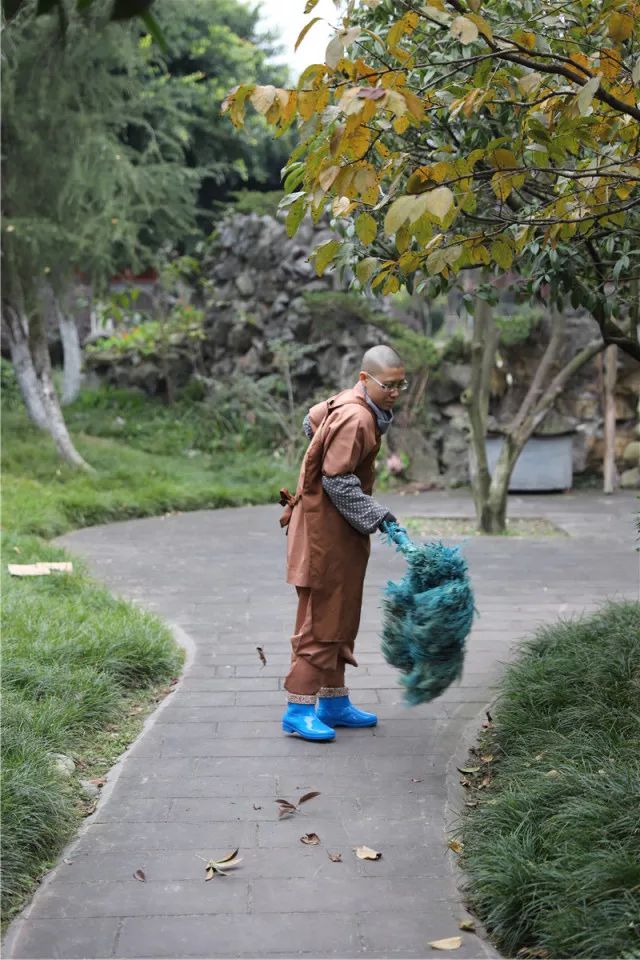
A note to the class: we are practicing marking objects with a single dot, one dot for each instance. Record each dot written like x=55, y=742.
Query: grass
x=552, y=849
x=80, y=668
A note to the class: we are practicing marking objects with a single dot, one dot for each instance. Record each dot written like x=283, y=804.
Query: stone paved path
x=203, y=777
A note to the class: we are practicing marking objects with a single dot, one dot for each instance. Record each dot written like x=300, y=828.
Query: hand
x=388, y=518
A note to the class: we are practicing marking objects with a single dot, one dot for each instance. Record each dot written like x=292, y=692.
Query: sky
x=287, y=18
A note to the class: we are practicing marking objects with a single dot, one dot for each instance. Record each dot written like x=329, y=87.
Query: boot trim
x=301, y=698
x=330, y=692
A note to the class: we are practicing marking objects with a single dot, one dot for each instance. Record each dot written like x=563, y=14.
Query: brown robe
x=324, y=552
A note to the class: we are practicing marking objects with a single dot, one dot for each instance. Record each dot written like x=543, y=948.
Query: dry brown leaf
x=468, y=924
x=308, y=796
x=464, y=782
x=311, y=838
x=335, y=857
x=99, y=781
x=449, y=943
x=416, y=780
x=486, y=757
x=140, y=875
x=263, y=659
x=471, y=803
x=366, y=853
x=257, y=806
x=456, y=846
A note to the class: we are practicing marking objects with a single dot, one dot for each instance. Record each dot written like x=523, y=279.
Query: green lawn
x=552, y=851
x=81, y=669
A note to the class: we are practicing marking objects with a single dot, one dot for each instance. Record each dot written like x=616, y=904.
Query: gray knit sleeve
x=306, y=426
x=357, y=508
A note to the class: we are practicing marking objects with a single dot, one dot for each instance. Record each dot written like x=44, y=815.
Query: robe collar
x=384, y=418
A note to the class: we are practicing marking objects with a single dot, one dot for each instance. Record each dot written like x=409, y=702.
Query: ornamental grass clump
x=427, y=616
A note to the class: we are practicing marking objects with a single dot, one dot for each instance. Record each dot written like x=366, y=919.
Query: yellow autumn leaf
x=399, y=211
x=392, y=284
x=437, y=202
x=305, y=31
x=620, y=26
x=449, y=943
x=401, y=124
x=366, y=183
x=502, y=253
x=366, y=228
x=610, y=63
x=504, y=159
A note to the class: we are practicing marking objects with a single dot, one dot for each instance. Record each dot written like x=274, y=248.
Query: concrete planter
x=544, y=464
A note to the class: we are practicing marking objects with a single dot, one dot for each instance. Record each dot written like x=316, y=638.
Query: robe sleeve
x=359, y=509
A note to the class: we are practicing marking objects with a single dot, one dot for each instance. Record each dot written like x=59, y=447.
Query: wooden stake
x=610, y=372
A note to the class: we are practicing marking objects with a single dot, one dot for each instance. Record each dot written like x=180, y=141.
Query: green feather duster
x=427, y=616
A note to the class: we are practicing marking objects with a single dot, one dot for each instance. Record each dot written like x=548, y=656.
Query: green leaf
x=295, y=215
x=502, y=253
x=127, y=9
x=310, y=5
x=366, y=268
x=325, y=254
x=366, y=228
x=11, y=7
x=82, y=5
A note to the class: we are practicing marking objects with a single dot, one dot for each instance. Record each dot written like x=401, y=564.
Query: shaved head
x=380, y=358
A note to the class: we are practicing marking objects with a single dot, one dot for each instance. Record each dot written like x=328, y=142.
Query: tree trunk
x=610, y=371
x=72, y=353
x=17, y=327
x=55, y=426
x=491, y=490
x=483, y=349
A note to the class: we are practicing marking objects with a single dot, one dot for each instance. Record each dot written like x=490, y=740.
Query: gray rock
x=245, y=284
x=64, y=765
x=91, y=789
x=632, y=452
x=630, y=479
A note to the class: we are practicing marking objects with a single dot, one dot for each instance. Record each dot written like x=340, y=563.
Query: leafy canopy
x=458, y=134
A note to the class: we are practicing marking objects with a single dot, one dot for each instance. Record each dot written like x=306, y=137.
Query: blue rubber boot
x=340, y=712
x=301, y=718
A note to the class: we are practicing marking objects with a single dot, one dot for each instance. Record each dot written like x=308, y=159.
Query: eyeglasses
x=400, y=385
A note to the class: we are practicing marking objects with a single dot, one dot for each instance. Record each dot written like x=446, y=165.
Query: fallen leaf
x=485, y=782
x=465, y=782
x=67, y=860
x=257, y=806
x=486, y=757
x=335, y=857
x=449, y=943
x=416, y=780
x=366, y=853
x=471, y=803
x=99, y=781
x=468, y=769
x=552, y=773
x=488, y=716
x=456, y=846
x=467, y=924
x=311, y=838
x=308, y=796
x=216, y=866
x=41, y=569
x=263, y=659
x=140, y=875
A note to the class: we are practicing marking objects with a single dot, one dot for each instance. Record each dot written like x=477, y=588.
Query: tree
x=76, y=193
x=459, y=136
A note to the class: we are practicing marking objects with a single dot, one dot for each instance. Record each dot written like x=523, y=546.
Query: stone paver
x=203, y=777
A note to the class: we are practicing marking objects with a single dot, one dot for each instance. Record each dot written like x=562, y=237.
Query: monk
x=328, y=523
